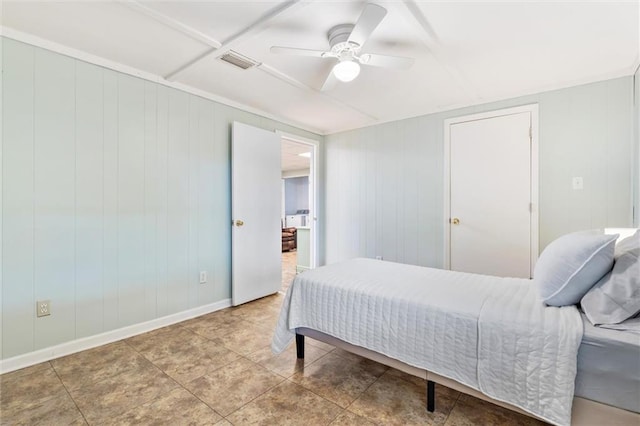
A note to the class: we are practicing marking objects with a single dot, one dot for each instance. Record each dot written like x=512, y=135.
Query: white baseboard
x=67, y=348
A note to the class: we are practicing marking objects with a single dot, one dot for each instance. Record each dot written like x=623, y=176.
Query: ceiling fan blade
x=370, y=18
x=296, y=51
x=386, y=61
x=330, y=82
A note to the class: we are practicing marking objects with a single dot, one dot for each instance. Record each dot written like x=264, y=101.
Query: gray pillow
x=616, y=297
x=571, y=265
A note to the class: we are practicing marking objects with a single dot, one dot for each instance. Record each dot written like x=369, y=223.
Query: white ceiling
x=290, y=156
x=465, y=53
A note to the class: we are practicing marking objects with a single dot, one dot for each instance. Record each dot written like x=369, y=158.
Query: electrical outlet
x=378, y=257
x=203, y=277
x=43, y=308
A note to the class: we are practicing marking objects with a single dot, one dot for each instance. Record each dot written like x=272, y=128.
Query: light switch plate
x=203, y=277
x=577, y=183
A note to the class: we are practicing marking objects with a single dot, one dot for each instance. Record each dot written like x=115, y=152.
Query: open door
x=255, y=212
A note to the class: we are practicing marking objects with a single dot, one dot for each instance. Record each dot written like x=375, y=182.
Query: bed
x=477, y=334
x=609, y=366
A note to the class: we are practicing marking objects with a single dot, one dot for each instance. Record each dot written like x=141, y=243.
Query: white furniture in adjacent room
x=297, y=220
x=304, y=249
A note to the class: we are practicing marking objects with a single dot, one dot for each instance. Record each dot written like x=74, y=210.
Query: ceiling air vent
x=234, y=58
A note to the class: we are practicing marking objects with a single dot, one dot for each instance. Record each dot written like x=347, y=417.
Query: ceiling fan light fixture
x=346, y=71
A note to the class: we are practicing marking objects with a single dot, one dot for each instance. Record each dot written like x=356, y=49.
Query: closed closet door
x=490, y=226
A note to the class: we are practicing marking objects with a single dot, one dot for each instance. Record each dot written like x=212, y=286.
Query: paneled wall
x=384, y=184
x=115, y=194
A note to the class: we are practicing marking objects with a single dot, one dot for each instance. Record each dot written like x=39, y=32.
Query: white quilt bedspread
x=492, y=334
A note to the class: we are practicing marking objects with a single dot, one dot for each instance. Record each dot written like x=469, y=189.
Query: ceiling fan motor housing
x=338, y=39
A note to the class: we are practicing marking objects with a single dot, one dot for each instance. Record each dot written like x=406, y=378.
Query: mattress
x=609, y=367
x=489, y=333
x=427, y=318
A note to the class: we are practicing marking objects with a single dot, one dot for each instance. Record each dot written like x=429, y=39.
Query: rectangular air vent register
x=240, y=61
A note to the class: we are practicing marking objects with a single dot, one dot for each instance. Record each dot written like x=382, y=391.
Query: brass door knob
x=455, y=221
x=237, y=223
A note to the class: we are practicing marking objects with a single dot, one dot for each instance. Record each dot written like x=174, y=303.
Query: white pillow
x=627, y=244
x=571, y=265
x=616, y=297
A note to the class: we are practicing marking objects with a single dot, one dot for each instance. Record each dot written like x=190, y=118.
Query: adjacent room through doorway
x=297, y=204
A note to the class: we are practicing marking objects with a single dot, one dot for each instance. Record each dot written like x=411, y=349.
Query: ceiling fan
x=346, y=41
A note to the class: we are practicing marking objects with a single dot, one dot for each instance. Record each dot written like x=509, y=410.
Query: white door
x=255, y=212
x=490, y=196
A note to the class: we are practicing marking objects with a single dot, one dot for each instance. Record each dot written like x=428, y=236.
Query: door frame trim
x=313, y=188
x=533, y=110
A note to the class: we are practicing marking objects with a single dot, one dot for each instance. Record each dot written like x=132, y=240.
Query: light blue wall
x=296, y=194
x=116, y=190
x=384, y=184
x=115, y=194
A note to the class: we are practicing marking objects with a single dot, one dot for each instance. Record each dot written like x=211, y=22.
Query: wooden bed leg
x=300, y=346
x=431, y=396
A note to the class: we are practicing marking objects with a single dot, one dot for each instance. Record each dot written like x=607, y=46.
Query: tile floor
x=218, y=369
x=289, y=259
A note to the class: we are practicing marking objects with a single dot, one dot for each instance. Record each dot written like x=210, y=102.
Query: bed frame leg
x=300, y=346
x=431, y=396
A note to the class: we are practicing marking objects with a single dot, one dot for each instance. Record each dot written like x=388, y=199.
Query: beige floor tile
x=22, y=391
x=215, y=325
x=245, y=308
x=470, y=411
x=347, y=418
x=232, y=386
x=346, y=354
x=249, y=338
x=258, y=313
x=120, y=393
x=8, y=377
x=286, y=404
x=59, y=409
x=419, y=381
x=97, y=364
x=25, y=371
x=318, y=344
x=289, y=261
x=391, y=400
x=178, y=407
x=286, y=363
x=161, y=344
x=274, y=299
x=187, y=365
x=339, y=379
x=441, y=391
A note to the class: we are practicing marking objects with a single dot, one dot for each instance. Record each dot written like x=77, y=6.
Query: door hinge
x=530, y=134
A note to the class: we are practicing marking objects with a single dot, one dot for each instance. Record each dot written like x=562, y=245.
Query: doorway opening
x=298, y=203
